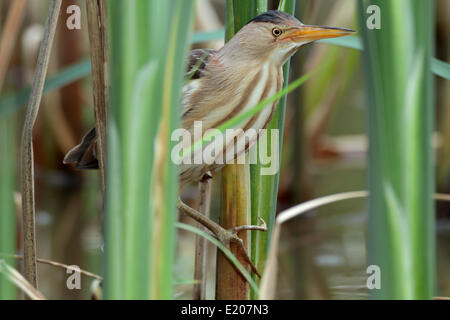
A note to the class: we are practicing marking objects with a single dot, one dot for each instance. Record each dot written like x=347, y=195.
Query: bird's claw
x=262, y=227
x=226, y=237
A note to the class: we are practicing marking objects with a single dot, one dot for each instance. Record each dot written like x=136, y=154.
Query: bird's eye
x=276, y=32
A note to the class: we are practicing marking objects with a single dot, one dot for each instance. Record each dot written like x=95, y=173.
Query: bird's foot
x=230, y=236
x=226, y=237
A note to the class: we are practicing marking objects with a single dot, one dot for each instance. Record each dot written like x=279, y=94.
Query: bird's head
x=276, y=35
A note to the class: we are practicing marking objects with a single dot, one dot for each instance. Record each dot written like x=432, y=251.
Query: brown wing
x=84, y=155
x=198, y=59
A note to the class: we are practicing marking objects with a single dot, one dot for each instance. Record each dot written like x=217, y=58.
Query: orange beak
x=312, y=33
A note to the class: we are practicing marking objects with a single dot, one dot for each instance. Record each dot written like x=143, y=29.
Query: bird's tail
x=84, y=155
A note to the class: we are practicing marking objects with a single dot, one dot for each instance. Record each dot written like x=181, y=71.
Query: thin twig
x=26, y=165
x=201, y=248
x=9, y=35
x=58, y=264
x=96, y=16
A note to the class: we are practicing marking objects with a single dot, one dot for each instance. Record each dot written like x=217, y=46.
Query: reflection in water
x=323, y=253
x=67, y=231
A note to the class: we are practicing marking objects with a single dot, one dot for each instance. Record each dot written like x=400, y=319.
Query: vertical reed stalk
x=7, y=153
x=148, y=52
x=9, y=35
x=26, y=164
x=7, y=210
x=201, y=245
x=96, y=17
x=230, y=283
x=401, y=235
x=236, y=206
x=264, y=188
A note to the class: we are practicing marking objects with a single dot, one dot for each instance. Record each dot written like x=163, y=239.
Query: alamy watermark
x=374, y=278
x=374, y=20
x=74, y=280
x=73, y=22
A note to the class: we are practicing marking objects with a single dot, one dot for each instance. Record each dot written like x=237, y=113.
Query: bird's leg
x=226, y=237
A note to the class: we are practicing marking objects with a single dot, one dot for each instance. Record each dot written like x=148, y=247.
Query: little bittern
x=225, y=83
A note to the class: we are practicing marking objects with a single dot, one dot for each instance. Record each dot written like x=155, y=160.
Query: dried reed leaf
x=17, y=279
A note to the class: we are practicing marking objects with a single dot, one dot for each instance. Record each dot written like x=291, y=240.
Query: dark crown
x=272, y=16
